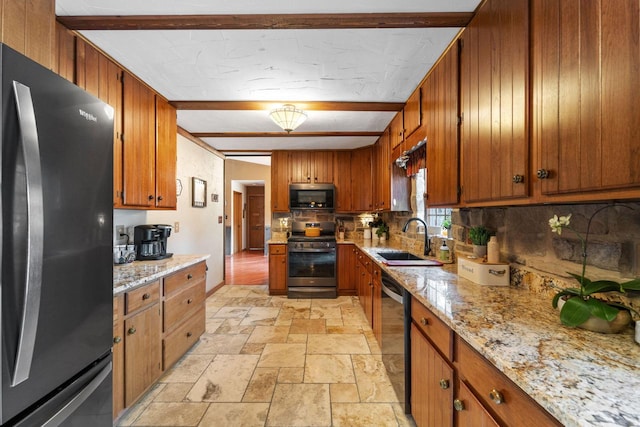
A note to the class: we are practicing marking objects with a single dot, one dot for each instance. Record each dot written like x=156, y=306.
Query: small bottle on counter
x=493, y=250
x=445, y=253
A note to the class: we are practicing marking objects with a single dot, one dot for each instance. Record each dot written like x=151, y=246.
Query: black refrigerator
x=56, y=253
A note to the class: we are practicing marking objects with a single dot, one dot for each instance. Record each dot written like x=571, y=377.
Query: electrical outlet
x=119, y=233
x=176, y=226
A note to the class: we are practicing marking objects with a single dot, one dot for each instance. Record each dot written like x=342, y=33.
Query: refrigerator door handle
x=35, y=233
x=79, y=398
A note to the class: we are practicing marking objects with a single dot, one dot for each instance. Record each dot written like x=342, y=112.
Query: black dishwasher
x=395, y=346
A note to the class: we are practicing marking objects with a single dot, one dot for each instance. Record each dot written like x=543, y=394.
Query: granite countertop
x=138, y=273
x=582, y=378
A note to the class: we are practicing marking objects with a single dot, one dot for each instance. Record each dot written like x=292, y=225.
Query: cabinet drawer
x=182, y=304
x=516, y=408
x=180, y=340
x=142, y=297
x=435, y=329
x=365, y=261
x=277, y=249
x=179, y=279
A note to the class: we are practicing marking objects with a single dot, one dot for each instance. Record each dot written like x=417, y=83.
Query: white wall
x=200, y=232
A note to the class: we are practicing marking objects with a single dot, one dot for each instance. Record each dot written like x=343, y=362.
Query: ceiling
x=350, y=65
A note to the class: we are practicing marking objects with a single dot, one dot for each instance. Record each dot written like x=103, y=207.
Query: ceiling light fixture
x=288, y=117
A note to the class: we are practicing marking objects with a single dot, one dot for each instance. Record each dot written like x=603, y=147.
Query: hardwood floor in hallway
x=247, y=268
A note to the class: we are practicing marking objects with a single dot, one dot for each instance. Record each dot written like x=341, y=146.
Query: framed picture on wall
x=199, y=194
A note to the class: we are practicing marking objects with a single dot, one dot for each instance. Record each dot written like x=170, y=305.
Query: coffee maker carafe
x=151, y=241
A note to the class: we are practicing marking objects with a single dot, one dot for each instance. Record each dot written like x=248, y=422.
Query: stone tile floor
x=271, y=361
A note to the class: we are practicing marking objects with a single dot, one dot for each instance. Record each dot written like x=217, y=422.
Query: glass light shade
x=288, y=117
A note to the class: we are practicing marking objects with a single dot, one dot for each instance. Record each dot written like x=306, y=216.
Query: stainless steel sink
x=400, y=258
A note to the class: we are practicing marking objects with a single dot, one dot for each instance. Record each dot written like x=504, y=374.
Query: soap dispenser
x=445, y=253
x=493, y=250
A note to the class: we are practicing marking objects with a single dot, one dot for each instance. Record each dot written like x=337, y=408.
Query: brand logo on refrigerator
x=87, y=116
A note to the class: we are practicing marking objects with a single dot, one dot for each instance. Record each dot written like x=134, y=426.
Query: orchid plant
x=580, y=302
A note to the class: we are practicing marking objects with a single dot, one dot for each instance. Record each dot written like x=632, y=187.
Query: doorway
x=255, y=217
x=238, y=216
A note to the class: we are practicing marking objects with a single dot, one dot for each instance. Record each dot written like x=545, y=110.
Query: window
x=435, y=216
x=432, y=216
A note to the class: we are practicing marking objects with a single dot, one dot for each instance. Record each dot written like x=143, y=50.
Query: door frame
x=238, y=220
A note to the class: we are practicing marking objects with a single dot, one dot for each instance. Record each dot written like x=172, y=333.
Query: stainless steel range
x=312, y=261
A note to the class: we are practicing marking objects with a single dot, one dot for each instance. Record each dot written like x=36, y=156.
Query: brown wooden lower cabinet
x=346, y=267
x=277, y=269
x=452, y=384
x=153, y=326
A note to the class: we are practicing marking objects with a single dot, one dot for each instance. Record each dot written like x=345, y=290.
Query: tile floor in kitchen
x=272, y=361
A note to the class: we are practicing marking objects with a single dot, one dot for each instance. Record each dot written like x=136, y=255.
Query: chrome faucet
x=427, y=245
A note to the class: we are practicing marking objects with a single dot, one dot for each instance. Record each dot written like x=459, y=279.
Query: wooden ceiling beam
x=293, y=134
x=268, y=21
x=303, y=105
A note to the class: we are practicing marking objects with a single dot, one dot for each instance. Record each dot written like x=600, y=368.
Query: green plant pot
x=480, y=251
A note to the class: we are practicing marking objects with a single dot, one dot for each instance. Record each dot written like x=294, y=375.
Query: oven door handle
x=302, y=251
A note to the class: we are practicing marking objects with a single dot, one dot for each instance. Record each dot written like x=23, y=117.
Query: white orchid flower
x=557, y=224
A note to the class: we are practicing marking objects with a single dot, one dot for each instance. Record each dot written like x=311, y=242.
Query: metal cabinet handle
x=189, y=277
x=458, y=405
x=444, y=384
x=146, y=296
x=424, y=321
x=132, y=330
x=189, y=334
x=542, y=174
x=189, y=301
x=496, y=396
x=151, y=197
x=518, y=179
x=159, y=198
x=117, y=340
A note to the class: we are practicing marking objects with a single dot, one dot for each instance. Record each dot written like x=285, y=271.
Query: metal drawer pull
x=497, y=272
x=444, y=384
x=424, y=321
x=117, y=340
x=189, y=276
x=496, y=396
x=132, y=330
x=146, y=296
x=189, y=334
x=458, y=405
x=189, y=301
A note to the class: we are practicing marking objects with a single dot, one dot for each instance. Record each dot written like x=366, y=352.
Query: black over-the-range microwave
x=311, y=196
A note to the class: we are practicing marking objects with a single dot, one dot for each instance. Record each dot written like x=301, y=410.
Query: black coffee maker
x=151, y=241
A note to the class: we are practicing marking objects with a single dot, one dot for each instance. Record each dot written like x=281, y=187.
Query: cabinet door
x=382, y=172
x=431, y=384
x=65, y=54
x=585, y=82
x=279, y=181
x=139, y=172
x=118, y=355
x=321, y=164
x=342, y=181
x=143, y=352
x=494, y=78
x=362, y=188
x=412, y=113
x=376, y=303
x=347, y=278
x=299, y=167
x=166, y=155
x=440, y=103
x=397, y=130
x=28, y=27
x=469, y=411
x=277, y=269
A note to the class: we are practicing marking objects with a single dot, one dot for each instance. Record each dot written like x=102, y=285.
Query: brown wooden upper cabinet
x=585, y=86
x=440, y=104
x=397, y=130
x=28, y=27
x=101, y=77
x=311, y=166
x=361, y=185
x=494, y=85
x=412, y=113
x=166, y=155
x=279, y=181
x=342, y=181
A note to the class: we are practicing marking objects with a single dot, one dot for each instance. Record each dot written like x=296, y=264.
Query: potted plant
x=446, y=226
x=580, y=306
x=479, y=236
x=375, y=224
x=382, y=231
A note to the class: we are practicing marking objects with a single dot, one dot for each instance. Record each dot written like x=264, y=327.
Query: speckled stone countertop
x=582, y=378
x=138, y=273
